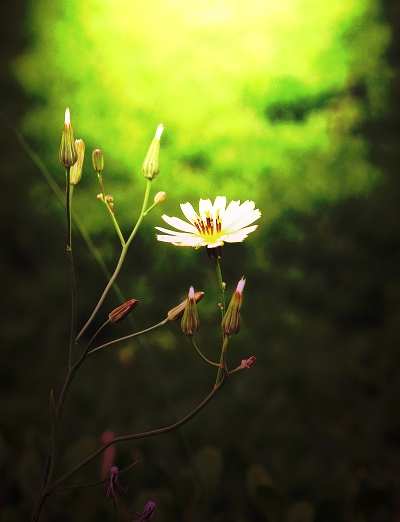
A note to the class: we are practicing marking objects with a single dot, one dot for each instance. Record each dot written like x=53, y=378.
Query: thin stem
x=116, y=510
x=222, y=360
x=136, y=334
x=201, y=355
x=221, y=285
x=69, y=192
x=115, y=222
x=120, y=261
x=92, y=484
x=143, y=435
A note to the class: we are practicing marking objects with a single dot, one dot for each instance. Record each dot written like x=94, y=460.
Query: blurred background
x=292, y=104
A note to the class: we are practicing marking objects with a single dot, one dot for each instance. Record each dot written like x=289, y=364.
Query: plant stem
x=222, y=360
x=43, y=492
x=120, y=261
x=115, y=223
x=136, y=334
x=143, y=435
x=69, y=192
x=201, y=355
x=221, y=285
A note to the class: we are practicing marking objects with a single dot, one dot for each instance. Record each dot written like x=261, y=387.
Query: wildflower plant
x=213, y=224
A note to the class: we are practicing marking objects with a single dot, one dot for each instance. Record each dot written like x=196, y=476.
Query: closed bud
x=247, y=363
x=68, y=155
x=98, y=160
x=122, y=311
x=190, y=321
x=160, y=197
x=232, y=322
x=150, y=167
x=75, y=172
x=175, y=313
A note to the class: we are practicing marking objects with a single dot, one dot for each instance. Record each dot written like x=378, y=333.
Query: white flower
x=212, y=225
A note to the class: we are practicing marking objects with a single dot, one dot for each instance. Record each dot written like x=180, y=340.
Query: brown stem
x=143, y=435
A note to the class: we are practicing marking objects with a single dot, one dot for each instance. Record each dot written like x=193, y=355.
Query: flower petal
x=182, y=240
x=179, y=224
x=188, y=211
x=240, y=235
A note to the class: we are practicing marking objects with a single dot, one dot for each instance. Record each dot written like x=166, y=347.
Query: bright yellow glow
x=252, y=94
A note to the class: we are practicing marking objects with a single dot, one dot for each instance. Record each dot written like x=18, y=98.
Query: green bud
x=190, y=323
x=150, y=167
x=175, y=313
x=68, y=155
x=122, y=311
x=98, y=160
x=75, y=172
x=232, y=322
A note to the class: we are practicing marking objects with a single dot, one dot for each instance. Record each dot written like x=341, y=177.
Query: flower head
x=212, y=225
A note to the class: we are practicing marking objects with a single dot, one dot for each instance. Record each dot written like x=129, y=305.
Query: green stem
x=221, y=286
x=143, y=435
x=120, y=261
x=115, y=222
x=222, y=360
x=201, y=355
x=136, y=334
x=69, y=192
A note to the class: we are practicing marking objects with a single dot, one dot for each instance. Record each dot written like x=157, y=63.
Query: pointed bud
x=98, y=160
x=190, y=321
x=177, y=311
x=150, y=167
x=160, y=197
x=122, y=311
x=232, y=323
x=67, y=155
x=75, y=172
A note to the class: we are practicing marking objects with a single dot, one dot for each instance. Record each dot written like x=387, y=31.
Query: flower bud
x=177, y=311
x=150, y=167
x=98, y=160
x=122, y=311
x=247, y=363
x=160, y=197
x=68, y=155
x=190, y=321
x=75, y=172
x=232, y=323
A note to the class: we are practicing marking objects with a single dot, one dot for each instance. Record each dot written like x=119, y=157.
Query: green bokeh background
x=292, y=104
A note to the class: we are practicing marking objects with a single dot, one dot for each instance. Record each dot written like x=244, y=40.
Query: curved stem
x=201, y=355
x=136, y=334
x=143, y=435
x=120, y=261
x=92, y=484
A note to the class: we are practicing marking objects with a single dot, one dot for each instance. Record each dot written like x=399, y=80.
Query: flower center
x=208, y=226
